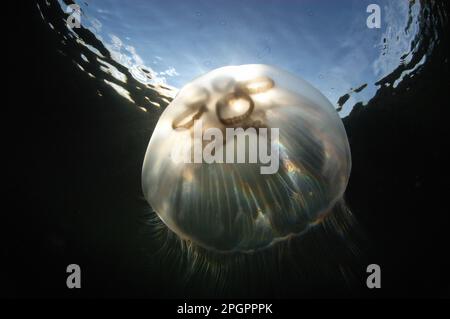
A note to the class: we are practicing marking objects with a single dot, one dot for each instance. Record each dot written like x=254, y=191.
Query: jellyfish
x=209, y=186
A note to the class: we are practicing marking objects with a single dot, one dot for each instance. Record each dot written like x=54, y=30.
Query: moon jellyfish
x=283, y=168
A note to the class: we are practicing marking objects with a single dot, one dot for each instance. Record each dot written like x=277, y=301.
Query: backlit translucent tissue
x=233, y=206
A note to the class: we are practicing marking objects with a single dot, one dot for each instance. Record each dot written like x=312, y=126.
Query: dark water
x=84, y=104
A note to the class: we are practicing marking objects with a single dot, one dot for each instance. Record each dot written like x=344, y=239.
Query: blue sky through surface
x=325, y=42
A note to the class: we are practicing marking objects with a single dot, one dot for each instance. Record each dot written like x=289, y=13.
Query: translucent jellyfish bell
x=229, y=204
